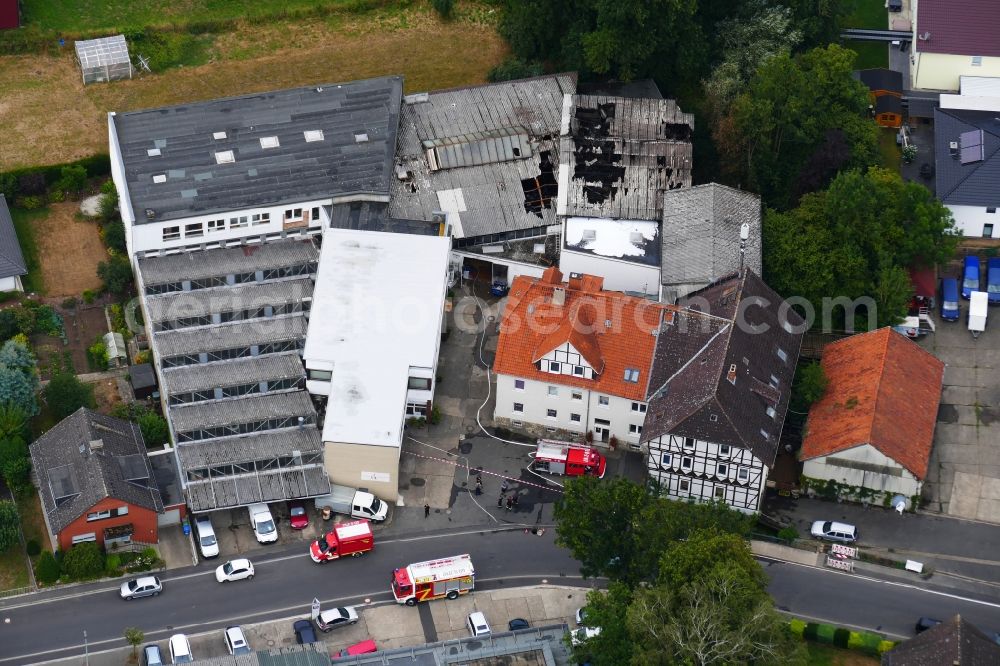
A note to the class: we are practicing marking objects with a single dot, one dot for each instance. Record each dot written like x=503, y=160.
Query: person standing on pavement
x=500, y=501
x=515, y=500
x=427, y=510
x=504, y=486
x=510, y=502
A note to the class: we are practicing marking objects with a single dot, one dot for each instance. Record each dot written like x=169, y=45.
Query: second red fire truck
x=351, y=538
x=568, y=458
x=435, y=579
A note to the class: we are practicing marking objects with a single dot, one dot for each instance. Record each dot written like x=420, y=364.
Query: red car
x=297, y=514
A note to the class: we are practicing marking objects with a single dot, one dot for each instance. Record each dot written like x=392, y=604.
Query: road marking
x=29, y=601
x=238, y=619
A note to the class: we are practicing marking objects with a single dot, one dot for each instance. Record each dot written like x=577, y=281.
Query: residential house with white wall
x=719, y=391
x=874, y=427
x=951, y=39
x=574, y=358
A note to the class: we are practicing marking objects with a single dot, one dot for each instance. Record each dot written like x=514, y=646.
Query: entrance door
x=602, y=433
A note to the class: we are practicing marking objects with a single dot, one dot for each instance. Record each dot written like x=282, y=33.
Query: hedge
x=29, y=179
x=860, y=641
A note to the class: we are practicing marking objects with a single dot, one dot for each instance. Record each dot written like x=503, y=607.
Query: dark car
x=151, y=655
x=993, y=280
x=517, y=624
x=970, y=276
x=304, y=633
x=925, y=623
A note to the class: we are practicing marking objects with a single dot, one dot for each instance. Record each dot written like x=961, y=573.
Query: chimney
x=552, y=275
x=96, y=445
x=575, y=281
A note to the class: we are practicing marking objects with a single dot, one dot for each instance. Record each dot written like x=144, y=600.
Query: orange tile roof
x=544, y=313
x=884, y=390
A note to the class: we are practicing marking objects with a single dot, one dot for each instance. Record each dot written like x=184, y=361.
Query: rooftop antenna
x=744, y=236
x=144, y=63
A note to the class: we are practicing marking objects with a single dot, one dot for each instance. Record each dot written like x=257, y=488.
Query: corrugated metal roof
x=294, y=171
x=229, y=336
x=225, y=261
x=244, y=448
x=202, y=302
x=206, y=376
x=270, y=486
x=240, y=410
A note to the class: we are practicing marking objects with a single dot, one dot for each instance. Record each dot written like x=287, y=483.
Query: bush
x=72, y=178
x=33, y=548
x=114, y=236
x=84, y=560
x=112, y=565
x=443, y=7
x=29, y=203
x=797, y=627
x=10, y=523
x=841, y=637
x=47, y=570
x=116, y=274
x=55, y=196
x=48, y=321
x=97, y=355
x=788, y=534
x=435, y=416
x=88, y=296
x=70, y=303
x=154, y=429
x=65, y=394
x=514, y=68
x=810, y=632
x=885, y=646
x=35, y=181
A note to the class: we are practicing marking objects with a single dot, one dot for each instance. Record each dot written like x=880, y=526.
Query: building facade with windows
x=721, y=381
x=573, y=358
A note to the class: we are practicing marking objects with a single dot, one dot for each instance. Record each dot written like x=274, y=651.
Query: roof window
x=153, y=152
x=269, y=142
x=361, y=138
x=160, y=178
x=224, y=157
x=218, y=135
x=313, y=135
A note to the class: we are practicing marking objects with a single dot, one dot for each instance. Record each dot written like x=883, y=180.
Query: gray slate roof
x=11, y=259
x=206, y=376
x=974, y=184
x=481, y=126
x=203, y=302
x=701, y=236
x=622, y=154
x=230, y=335
x=225, y=261
x=698, y=348
x=294, y=171
x=956, y=641
x=73, y=475
x=240, y=410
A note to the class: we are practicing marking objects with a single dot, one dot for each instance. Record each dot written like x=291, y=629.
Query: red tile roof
x=545, y=313
x=959, y=27
x=884, y=390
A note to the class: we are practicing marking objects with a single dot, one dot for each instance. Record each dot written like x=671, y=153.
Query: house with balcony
x=573, y=358
x=721, y=381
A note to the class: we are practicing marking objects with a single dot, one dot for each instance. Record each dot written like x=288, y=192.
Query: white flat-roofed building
x=372, y=347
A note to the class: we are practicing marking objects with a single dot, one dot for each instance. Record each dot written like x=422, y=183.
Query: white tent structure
x=104, y=59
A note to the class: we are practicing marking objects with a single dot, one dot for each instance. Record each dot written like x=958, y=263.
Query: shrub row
x=860, y=641
x=35, y=181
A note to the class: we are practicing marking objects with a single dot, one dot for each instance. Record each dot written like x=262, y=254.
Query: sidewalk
x=388, y=624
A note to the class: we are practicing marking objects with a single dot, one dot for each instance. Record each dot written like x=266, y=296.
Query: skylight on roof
x=269, y=142
x=218, y=135
x=313, y=135
x=160, y=178
x=153, y=152
x=224, y=157
x=360, y=138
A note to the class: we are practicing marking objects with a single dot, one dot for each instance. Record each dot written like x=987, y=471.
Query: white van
x=262, y=523
x=205, y=534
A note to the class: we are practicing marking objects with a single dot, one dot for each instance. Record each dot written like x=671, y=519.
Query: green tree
x=114, y=236
x=47, y=569
x=514, y=68
x=13, y=422
x=72, y=179
x=8, y=324
x=10, y=525
x=65, y=394
x=15, y=464
x=809, y=386
x=116, y=274
x=84, y=560
x=134, y=637
x=444, y=8
x=154, y=429
x=18, y=380
x=608, y=611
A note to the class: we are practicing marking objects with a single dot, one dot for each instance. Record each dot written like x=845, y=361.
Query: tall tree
x=18, y=380
x=65, y=394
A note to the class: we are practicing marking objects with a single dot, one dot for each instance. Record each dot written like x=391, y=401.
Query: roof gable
x=961, y=27
x=884, y=390
x=956, y=641
x=974, y=183
x=11, y=259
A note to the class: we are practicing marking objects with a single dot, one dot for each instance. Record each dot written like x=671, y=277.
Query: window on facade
x=987, y=231
x=216, y=225
x=553, y=366
x=320, y=375
x=518, y=407
x=419, y=383
x=81, y=538
x=108, y=513
x=578, y=370
x=551, y=413
x=518, y=384
x=603, y=400
x=686, y=462
x=193, y=230
x=171, y=233
x=742, y=474
x=635, y=429
x=639, y=407
x=293, y=214
x=689, y=443
x=315, y=213
x=685, y=485
x=720, y=492
x=782, y=354
x=775, y=382
x=631, y=375
x=259, y=218
x=237, y=222
x=575, y=418
x=977, y=61
x=666, y=459
x=553, y=390
x=722, y=469
x=577, y=395
x=770, y=412
x=991, y=210
x=416, y=409
x=723, y=449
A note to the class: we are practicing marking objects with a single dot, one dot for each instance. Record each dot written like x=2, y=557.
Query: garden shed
x=104, y=59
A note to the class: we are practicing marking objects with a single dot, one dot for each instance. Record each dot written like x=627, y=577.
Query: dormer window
x=578, y=370
x=689, y=443
x=631, y=375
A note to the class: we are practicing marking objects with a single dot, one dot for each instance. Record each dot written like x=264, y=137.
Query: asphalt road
x=51, y=626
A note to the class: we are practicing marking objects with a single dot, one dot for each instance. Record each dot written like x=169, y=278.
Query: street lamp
x=86, y=650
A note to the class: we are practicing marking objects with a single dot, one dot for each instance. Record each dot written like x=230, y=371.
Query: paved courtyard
x=963, y=479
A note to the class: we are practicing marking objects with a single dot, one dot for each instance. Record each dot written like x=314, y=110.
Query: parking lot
x=236, y=537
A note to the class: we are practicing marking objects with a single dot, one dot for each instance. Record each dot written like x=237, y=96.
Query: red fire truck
x=351, y=538
x=568, y=458
x=424, y=581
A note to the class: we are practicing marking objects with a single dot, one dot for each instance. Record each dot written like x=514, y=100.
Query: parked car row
x=179, y=648
x=971, y=282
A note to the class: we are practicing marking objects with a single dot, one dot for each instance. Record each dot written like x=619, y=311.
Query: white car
x=833, y=531
x=180, y=650
x=241, y=569
x=477, y=624
x=236, y=641
x=583, y=634
x=262, y=523
x=207, y=543
x=143, y=586
x=331, y=619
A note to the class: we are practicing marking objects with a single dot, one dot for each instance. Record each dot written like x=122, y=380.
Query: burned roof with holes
x=617, y=156
x=967, y=174
x=88, y=457
x=487, y=154
x=331, y=140
x=701, y=237
x=723, y=367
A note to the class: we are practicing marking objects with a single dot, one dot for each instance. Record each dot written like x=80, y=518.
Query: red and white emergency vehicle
x=424, y=581
x=569, y=458
x=351, y=538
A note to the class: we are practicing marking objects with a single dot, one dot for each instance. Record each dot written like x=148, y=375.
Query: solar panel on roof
x=971, y=138
x=133, y=467
x=63, y=483
x=972, y=154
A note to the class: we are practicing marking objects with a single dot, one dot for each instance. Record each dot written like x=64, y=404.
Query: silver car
x=144, y=586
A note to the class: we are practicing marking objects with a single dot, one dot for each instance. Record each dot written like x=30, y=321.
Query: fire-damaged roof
x=724, y=365
x=617, y=156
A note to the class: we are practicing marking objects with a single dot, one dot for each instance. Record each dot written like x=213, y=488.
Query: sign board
x=315, y=609
x=381, y=477
x=843, y=565
x=844, y=551
x=912, y=565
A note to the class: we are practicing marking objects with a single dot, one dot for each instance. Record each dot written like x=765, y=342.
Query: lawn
x=85, y=15
x=871, y=55
x=824, y=655
x=867, y=14
x=13, y=569
x=32, y=521
x=889, y=153
x=24, y=225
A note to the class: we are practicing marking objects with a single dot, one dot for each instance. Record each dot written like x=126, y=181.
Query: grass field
x=871, y=55
x=47, y=116
x=24, y=225
x=824, y=655
x=13, y=569
x=891, y=155
x=866, y=14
